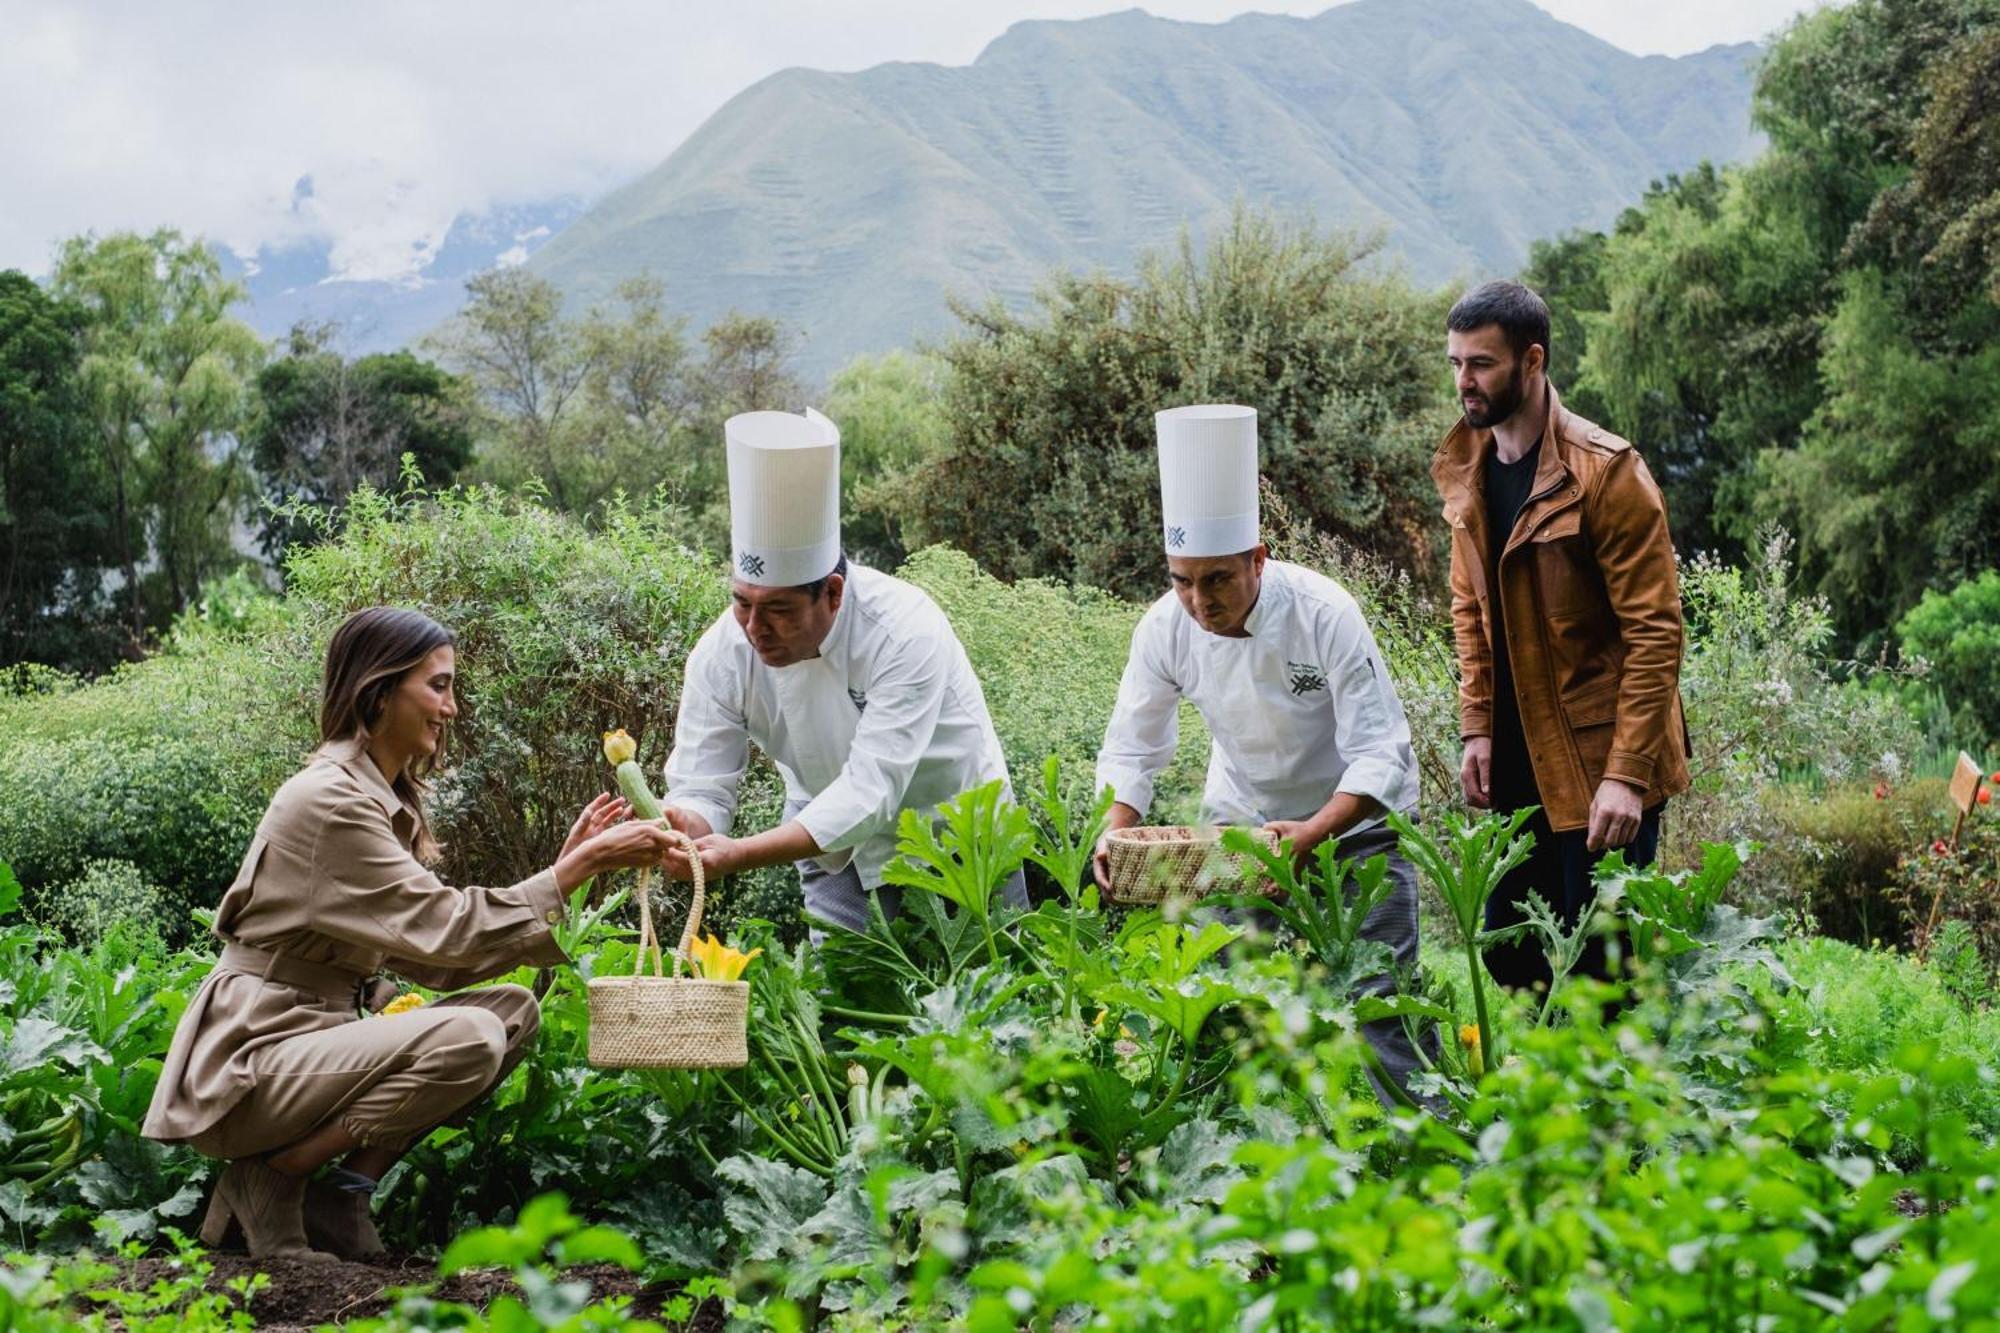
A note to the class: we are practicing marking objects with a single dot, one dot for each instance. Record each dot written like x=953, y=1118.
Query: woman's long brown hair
x=366, y=659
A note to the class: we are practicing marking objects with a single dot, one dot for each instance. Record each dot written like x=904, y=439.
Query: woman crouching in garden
x=274, y=1067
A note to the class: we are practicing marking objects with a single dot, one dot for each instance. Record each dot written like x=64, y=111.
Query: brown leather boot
x=267, y=1204
x=337, y=1221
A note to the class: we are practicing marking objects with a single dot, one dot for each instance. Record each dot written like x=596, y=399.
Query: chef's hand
x=719, y=854
x=1304, y=835
x=1120, y=816
x=687, y=821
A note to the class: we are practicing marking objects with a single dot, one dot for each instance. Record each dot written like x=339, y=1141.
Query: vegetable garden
x=979, y=1116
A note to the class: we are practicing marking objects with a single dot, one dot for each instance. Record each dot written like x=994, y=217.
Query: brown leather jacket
x=1592, y=608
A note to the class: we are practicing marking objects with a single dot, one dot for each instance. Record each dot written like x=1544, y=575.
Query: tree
x=529, y=366
x=1049, y=468
x=748, y=367
x=1702, y=349
x=1810, y=339
x=54, y=524
x=323, y=425
x=1895, y=485
x=165, y=375
x=592, y=406
x=891, y=414
x=1958, y=633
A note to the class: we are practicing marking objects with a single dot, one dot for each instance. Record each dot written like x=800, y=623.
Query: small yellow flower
x=716, y=961
x=1475, y=1059
x=619, y=748
x=403, y=1003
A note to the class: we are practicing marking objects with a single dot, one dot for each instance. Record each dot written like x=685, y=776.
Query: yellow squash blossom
x=403, y=1003
x=1475, y=1060
x=715, y=961
x=619, y=747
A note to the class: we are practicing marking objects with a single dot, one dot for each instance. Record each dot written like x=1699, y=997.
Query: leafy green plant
x=1957, y=634
x=1067, y=840
x=543, y=1243
x=984, y=839
x=81, y=1038
x=84, y=1293
x=1955, y=958
x=1466, y=866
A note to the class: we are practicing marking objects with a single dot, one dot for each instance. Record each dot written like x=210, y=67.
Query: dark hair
x=366, y=659
x=817, y=586
x=1521, y=314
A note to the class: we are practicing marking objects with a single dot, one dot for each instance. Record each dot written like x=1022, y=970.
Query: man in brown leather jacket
x=1566, y=614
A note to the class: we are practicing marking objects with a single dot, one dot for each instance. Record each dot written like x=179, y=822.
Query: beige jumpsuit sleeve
x=369, y=891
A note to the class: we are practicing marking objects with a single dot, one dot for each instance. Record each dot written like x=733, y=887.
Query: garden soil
x=303, y=1295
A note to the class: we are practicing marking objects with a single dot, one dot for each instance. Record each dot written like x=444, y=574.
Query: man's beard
x=1500, y=408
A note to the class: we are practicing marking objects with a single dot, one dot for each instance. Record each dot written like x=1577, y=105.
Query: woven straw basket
x=1176, y=863
x=668, y=1022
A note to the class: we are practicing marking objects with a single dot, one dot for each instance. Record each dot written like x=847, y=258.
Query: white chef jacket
x=888, y=717
x=1300, y=710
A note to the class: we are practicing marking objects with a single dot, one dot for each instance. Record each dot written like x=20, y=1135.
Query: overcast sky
x=204, y=115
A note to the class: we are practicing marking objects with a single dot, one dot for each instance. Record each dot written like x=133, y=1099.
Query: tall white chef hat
x=784, y=497
x=1208, y=478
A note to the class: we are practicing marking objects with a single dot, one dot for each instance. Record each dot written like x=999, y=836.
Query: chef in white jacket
x=850, y=680
x=1309, y=737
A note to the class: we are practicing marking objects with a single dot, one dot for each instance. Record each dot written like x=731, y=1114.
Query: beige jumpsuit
x=274, y=1043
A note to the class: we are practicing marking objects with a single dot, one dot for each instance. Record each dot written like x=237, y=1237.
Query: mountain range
x=296, y=283
x=849, y=204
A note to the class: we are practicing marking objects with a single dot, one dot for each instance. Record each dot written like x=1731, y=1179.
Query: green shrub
x=107, y=896
x=1961, y=884
x=165, y=764
x=1049, y=467
x=1958, y=635
x=1830, y=858
x=1856, y=1009
x=1768, y=703
x=1049, y=658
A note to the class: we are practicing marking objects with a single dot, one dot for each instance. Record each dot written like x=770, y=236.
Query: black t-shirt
x=1507, y=487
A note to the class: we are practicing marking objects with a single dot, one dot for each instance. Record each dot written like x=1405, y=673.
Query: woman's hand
x=598, y=816
x=627, y=845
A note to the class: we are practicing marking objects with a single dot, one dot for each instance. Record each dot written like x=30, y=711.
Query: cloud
x=208, y=116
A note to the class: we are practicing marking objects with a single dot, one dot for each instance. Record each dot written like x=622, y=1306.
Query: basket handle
x=649, y=940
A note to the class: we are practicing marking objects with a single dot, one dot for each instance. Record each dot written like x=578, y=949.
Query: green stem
x=1069, y=964
x=777, y=1136
x=1396, y=1091
x=776, y=1067
x=814, y=1065
x=1478, y=965
x=992, y=946
x=866, y=1016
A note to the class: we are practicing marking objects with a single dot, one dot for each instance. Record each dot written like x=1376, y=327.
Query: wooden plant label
x=1965, y=783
